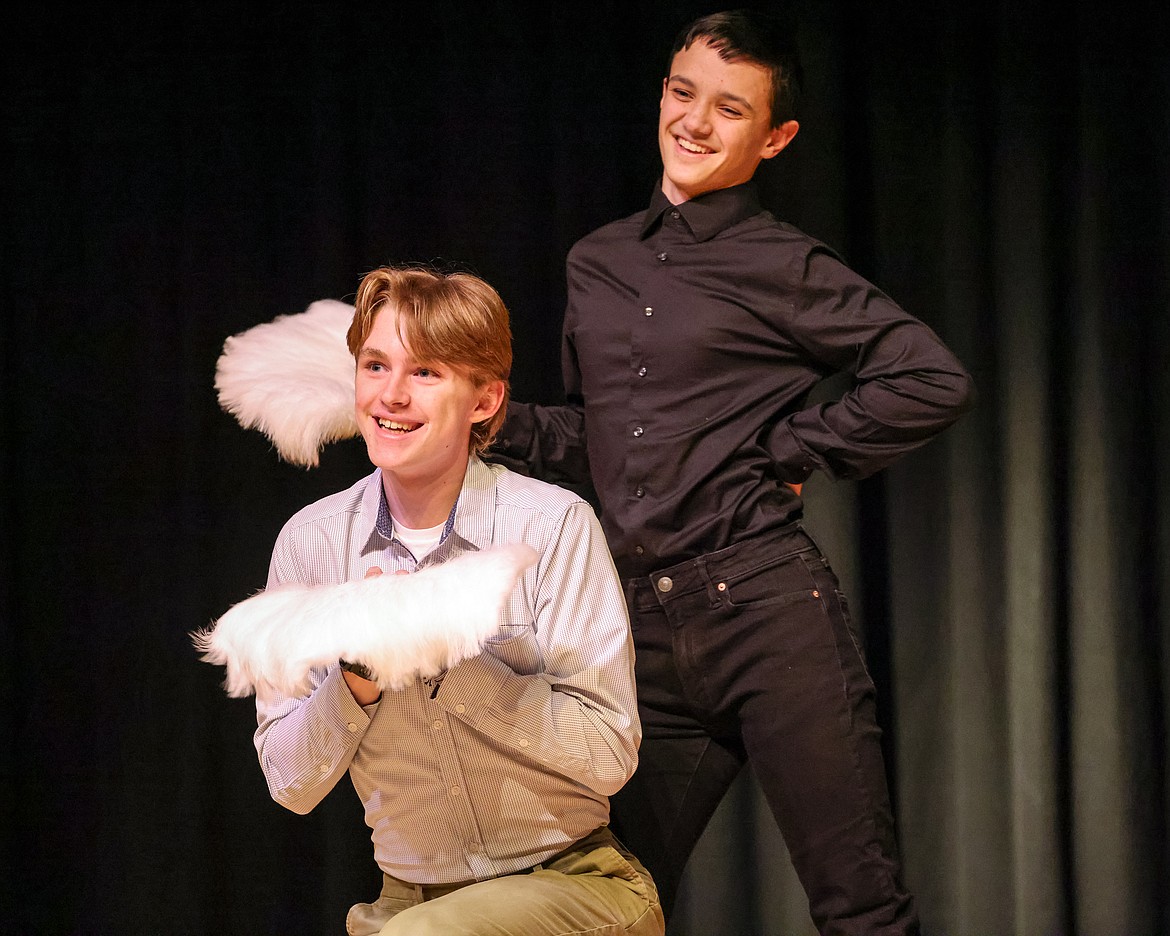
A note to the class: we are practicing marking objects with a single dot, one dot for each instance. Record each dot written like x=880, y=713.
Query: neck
x=419, y=503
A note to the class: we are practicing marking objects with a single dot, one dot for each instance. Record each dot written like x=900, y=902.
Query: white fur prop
x=400, y=626
x=293, y=379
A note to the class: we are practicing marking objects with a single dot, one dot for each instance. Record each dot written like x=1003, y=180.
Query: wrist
x=358, y=669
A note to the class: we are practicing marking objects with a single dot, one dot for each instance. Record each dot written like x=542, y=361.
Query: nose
x=396, y=389
x=698, y=120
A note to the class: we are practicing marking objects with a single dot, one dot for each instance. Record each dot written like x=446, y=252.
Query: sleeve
x=578, y=715
x=907, y=386
x=548, y=442
x=305, y=745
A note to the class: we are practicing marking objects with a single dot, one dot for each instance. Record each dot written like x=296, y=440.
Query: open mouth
x=393, y=425
x=693, y=147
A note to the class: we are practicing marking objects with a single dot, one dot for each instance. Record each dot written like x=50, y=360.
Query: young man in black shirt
x=694, y=333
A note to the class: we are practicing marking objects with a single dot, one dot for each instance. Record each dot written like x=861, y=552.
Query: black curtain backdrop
x=175, y=174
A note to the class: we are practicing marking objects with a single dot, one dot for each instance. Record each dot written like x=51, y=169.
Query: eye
x=427, y=373
x=681, y=93
x=374, y=367
x=730, y=112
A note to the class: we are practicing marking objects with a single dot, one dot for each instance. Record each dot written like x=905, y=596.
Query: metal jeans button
x=665, y=584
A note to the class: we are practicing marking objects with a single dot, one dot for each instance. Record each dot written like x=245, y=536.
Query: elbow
x=951, y=396
x=965, y=394
x=617, y=775
x=292, y=802
x=296, y=797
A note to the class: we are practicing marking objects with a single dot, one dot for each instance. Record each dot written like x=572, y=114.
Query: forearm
x=548, y=441
x=587, y=736
x=557, y=686
x=907, y=386
x=306, y=745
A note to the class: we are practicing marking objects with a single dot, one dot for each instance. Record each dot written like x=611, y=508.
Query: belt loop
x=631, y=592
x=714, y=597
x=419, y=896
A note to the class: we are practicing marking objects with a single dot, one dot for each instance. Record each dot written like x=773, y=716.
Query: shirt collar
x=709, y=214
x=471, y=516
x=475, y=511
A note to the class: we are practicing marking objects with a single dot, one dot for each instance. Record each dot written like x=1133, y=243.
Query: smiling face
x=714, y=124
x=416, y=418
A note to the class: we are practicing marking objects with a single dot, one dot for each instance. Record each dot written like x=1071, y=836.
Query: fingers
x=374, y=572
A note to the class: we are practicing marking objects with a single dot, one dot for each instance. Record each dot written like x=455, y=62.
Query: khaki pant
x=595, y=887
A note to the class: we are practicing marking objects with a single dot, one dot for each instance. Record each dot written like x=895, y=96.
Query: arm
x=908, y=386
x=578, y=715
x=549, y=442
x=305, y=745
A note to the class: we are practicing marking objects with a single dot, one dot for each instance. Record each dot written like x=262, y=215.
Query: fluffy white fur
x=293, y=379
x=400, y=626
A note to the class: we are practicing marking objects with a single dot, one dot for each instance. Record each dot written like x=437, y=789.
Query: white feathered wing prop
x=400, y=626
x=293, y=379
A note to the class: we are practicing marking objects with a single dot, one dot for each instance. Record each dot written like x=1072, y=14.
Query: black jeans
x=748, y=655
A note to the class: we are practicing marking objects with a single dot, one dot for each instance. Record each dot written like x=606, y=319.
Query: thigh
x=683, y=772
x=662, y=811
x=602, y=891
x=811, y=732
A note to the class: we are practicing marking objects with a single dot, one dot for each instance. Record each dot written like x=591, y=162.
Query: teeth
x=396, y=426
x=693, y=147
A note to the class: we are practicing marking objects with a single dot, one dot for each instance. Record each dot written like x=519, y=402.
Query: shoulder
x=518, y=492
x=340, y=506
x=766, y=229
x=608, y=236
x=539, y=513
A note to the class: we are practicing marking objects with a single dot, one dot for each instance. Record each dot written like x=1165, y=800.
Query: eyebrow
x=723, y=96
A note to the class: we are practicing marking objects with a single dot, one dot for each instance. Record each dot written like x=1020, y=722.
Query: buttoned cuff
x=468, y=689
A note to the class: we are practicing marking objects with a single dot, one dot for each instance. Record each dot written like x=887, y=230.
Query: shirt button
x=523, y=742
x=351, y=726
x=649, y=310
x=675, y=215
x=324, y=768
x=640, y=492
x=662, y=256
x=638, y=431
x=460, y=708
x=641, y=372
x=474, y=847
x=638, y=550
x=437, y=724
x=665, y=584
x=455, y=791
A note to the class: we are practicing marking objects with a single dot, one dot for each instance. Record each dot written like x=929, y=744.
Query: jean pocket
x=773, y=583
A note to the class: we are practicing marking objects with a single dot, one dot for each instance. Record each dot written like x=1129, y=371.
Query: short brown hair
x=767, y=40
x=455, y=319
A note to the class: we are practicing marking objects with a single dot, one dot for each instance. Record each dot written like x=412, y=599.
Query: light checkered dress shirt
x=512, y=755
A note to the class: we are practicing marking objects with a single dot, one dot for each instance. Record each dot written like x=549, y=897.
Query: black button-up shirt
x=693, y=337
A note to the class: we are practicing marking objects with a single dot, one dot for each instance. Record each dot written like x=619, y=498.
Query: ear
x=779, y=138
x=491, y=396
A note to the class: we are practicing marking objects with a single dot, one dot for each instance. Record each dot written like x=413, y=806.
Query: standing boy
x=694, y=333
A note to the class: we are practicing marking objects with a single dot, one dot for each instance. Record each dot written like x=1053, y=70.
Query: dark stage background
x=177, y=173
